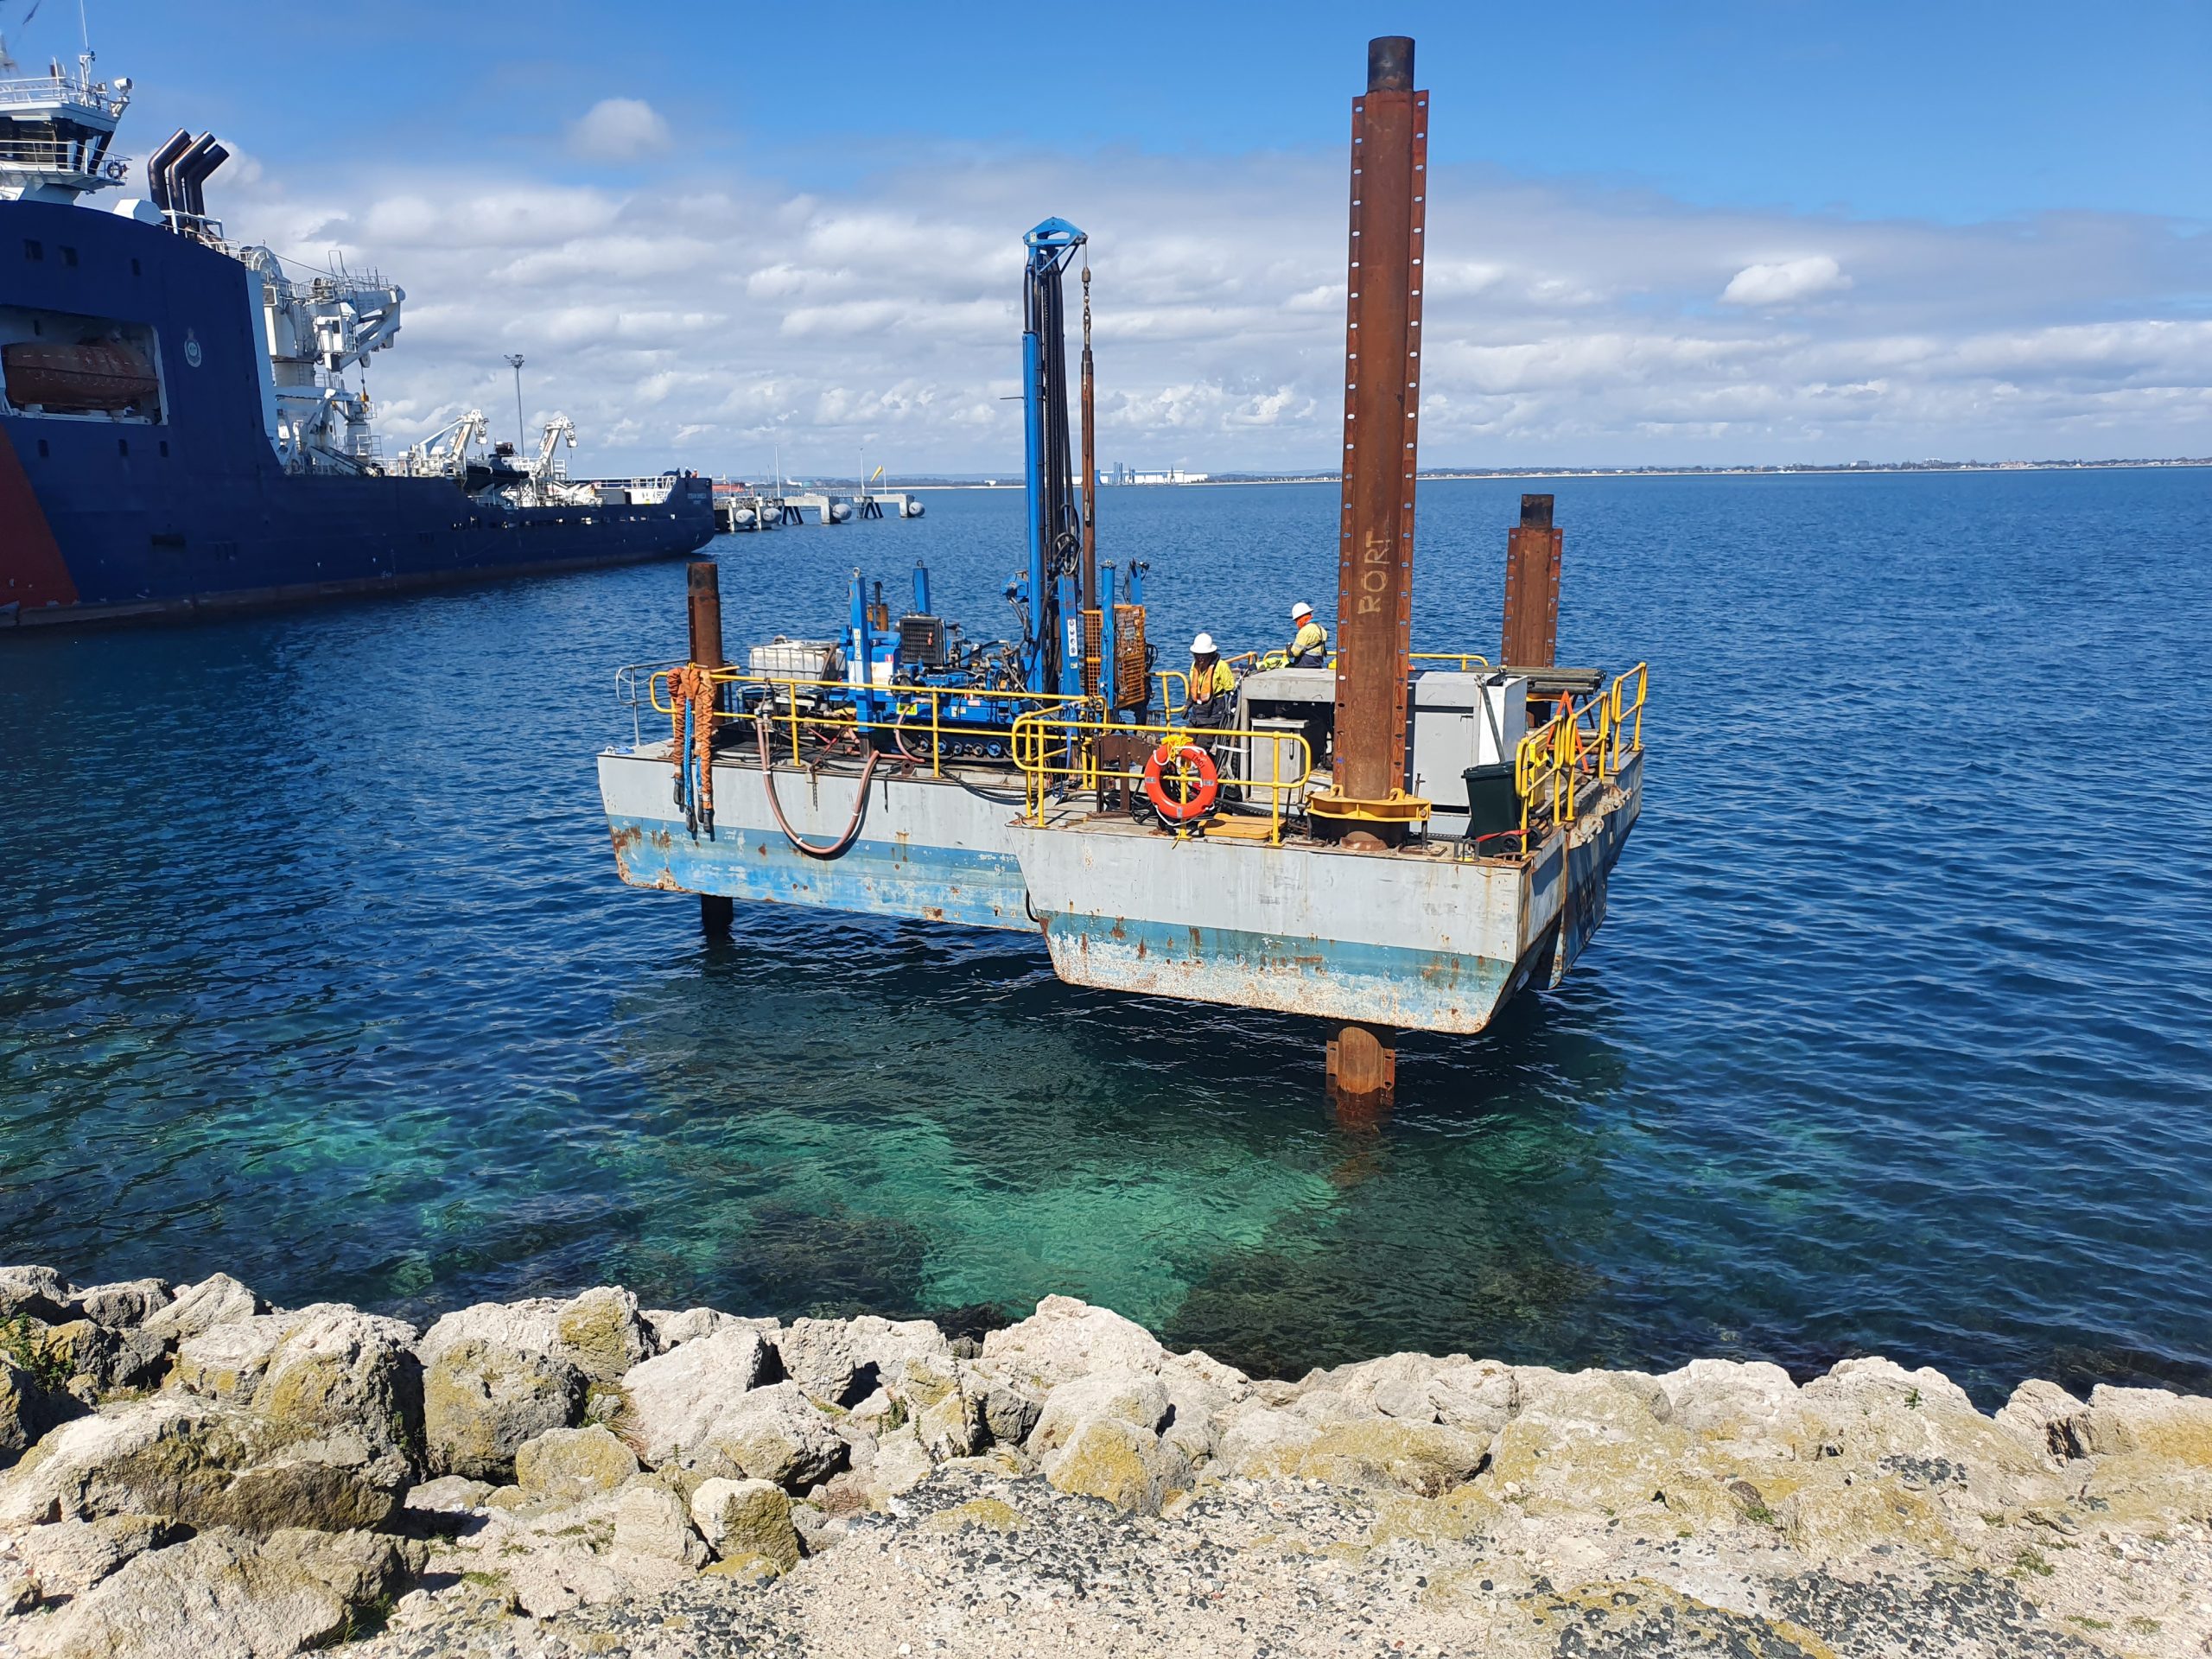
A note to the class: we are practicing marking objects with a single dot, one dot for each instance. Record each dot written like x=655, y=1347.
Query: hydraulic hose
x=836, y=847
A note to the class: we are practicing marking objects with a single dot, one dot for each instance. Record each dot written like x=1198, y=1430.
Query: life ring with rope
x=1185, y=760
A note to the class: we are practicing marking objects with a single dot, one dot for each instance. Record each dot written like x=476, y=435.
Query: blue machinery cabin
x=1398, y=840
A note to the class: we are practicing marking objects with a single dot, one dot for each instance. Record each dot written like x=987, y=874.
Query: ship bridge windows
x=68, y=366
x=54, y=144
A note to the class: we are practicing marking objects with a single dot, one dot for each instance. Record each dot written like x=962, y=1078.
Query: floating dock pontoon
x=1393, y=840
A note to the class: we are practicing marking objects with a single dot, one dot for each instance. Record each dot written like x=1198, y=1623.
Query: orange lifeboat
x=106, y=378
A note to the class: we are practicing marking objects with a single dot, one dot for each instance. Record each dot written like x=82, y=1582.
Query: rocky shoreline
x=184, y=1470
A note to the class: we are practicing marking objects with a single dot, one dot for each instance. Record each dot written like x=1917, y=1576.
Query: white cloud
x=619, y=129
x=1785, y=282
x=699, y=321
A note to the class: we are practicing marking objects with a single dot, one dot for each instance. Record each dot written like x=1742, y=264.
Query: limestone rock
x=217, y=1300
x=531, y=1326
x=448, y=1495
x=1622, y=1403
x=953, y=1426
x=945, y=1397
x=1375, y=1452
x=771, y=1433
x=1874, y=1382
x=126, y=1305
x=1827, y=1519
x=650, y=1520
x=1922, y=1431
x=675, y=1401
x=1112, y=1459
x=69, y=1557
x=901, y=1463
x=573, y=1463
x=348, y=1382
x=1395, y=1385
x=670, y=1328
x=1125, y=1396
x=206, y=1465
x=2176, y=1428
x=747, y=1517
x=27, y=1411
x=1010, y=1413
x=839, y=1362
x=482, y=1400
x=227, y=1361
x=873, y=1416
x=221, y=1596
x=1065, y=1339
x=34, y=1293
x=600, y=1332
x=99, y=1360
x=1754, y=1403
x=2053, y=1419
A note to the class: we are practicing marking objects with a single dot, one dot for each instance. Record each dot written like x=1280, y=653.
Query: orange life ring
x=1198, y=804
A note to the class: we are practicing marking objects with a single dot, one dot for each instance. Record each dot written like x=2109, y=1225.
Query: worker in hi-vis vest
x=1309, y=646
x=1212, y=704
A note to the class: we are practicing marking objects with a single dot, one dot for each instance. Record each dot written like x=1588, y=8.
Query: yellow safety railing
x=1583, y=747
x=785, y=712
x=1624, y=713
x=1169, y=678
x=1053, y=749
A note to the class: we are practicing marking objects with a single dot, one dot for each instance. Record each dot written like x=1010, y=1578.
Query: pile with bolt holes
x=185, y=1471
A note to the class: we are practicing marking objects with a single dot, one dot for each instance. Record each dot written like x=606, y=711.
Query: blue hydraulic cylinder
x=921, y=589
x=860, y=669
x=1070, y=639
x=1107, y=690
x=1033, y=408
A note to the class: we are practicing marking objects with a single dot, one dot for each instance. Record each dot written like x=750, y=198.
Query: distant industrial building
x=1118, y=474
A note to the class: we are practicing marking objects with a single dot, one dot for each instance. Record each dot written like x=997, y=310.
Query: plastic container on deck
x=1493, y=804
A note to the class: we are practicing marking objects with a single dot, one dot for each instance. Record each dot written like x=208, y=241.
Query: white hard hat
x=1203, y=646
x=1301, y=610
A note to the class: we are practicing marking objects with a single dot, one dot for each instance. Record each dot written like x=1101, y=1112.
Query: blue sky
x=1718, y=232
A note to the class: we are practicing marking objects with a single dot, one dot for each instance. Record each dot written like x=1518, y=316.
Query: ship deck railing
x=57, y=89
x=798, y=711
x=1579, y=753
x=1059, y=751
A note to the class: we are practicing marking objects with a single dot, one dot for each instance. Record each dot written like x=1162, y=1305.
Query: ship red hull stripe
x=32, y=572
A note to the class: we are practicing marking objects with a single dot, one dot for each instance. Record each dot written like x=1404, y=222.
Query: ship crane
x=445, y=453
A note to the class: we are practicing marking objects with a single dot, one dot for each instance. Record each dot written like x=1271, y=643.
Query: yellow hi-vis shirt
x=1312, y=637
x=1211, y=682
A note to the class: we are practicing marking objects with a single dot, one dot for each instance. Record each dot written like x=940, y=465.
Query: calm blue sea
x=314, y=967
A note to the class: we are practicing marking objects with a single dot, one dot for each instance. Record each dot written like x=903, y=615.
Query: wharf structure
x=739, y=510
x=1394, y=841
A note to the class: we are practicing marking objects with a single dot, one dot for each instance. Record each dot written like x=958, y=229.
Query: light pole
x=522, y=439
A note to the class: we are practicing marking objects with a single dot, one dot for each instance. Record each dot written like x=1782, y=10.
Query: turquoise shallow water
x=313, y=967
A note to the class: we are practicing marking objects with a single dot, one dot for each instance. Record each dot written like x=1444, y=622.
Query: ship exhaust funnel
x=161, y=164
x=189, y=174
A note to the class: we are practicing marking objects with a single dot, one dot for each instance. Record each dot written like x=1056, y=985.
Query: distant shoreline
x=1644, y=472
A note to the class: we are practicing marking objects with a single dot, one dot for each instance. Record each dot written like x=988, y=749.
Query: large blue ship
x=177, y=432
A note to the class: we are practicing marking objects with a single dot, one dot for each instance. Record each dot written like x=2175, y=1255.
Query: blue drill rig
x=1080, y=637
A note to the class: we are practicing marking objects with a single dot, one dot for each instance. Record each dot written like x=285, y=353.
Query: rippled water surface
x=314, y=967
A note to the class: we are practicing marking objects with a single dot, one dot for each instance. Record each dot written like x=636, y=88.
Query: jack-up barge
x=1395, y=841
